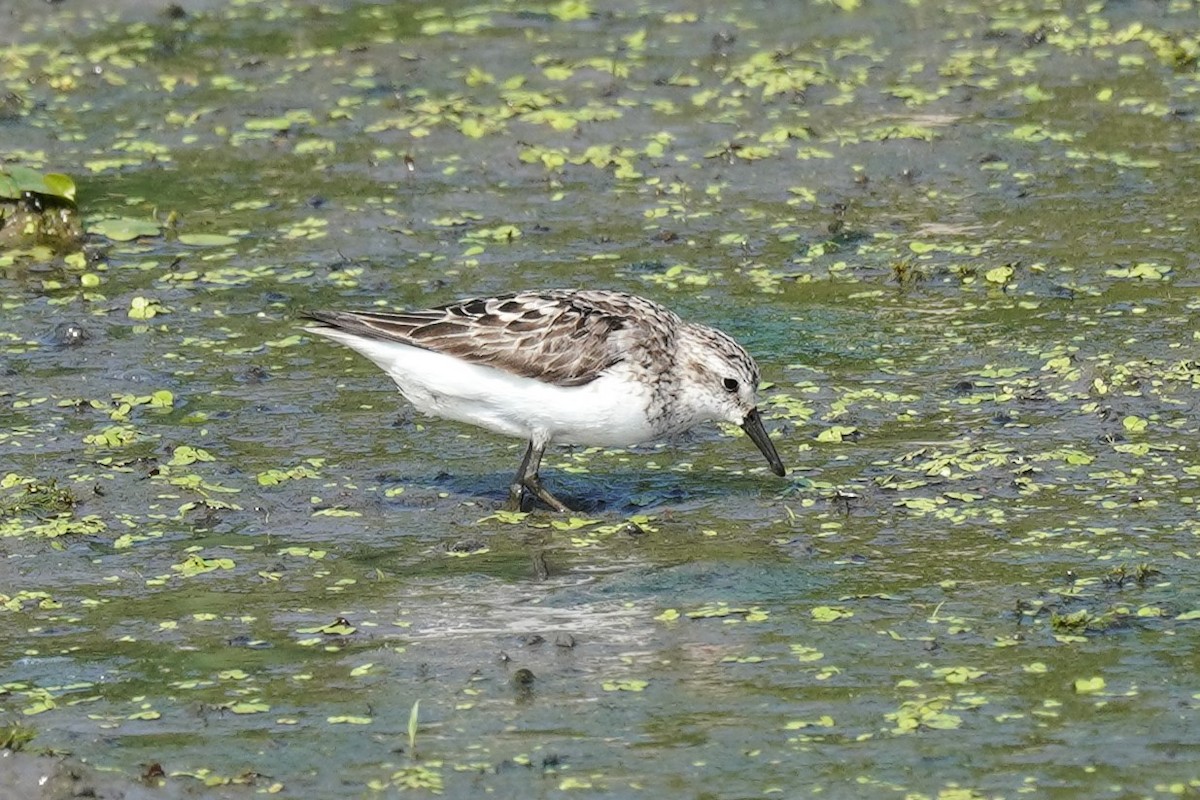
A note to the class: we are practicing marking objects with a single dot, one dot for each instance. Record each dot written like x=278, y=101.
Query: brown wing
x=563, y=337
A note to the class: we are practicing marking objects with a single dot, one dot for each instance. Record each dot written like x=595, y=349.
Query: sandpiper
x=587, y=367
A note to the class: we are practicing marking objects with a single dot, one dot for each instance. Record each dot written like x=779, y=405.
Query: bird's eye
x=731, y=384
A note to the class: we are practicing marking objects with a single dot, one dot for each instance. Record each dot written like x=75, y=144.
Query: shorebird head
x=721, y=379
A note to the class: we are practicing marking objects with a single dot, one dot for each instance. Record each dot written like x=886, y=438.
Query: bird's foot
x=516, y=497
x=534, y=484
x=519, y=492
x=527, y=480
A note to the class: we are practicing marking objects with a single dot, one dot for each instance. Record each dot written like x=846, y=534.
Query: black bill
x=753, y=427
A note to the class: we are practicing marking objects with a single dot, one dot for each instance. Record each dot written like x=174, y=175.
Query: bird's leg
x=527, y=478
x=516, y=489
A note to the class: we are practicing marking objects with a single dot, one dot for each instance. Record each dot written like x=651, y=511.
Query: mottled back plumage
x=563, y=337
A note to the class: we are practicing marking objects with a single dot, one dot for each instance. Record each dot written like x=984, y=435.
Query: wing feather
x=563, y=337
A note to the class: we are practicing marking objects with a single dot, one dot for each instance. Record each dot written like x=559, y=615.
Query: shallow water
x=959, y=239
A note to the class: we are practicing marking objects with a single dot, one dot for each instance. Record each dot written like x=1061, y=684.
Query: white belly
x=608, y=411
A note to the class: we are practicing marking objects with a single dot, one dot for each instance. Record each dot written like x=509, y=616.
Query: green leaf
x=59, y=185
x=309, y=146
x=805, y=653
x=830, y=614
x=26, y=179
x=186, y=454
x=163, y=398
x=959, y=674
x=571, y=10
x=473, y=128
x=206, y=239
x=1000, y=275
x=15, y=180
x=719, y=610
x=837, y=433
x=338, y=627
x=336, y=512
x=198, y=565
x=145, y=308
x=123, y=229
x=825, y=721
x=1036, y=94
x=413, y=721
x=1076, y=457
